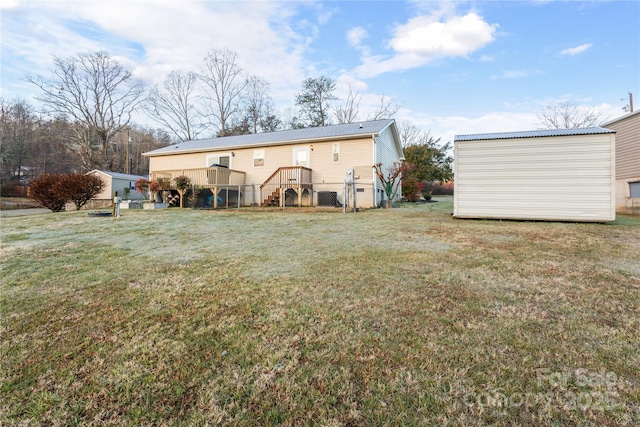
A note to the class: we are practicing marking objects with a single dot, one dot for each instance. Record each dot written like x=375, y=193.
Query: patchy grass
x=264, y=317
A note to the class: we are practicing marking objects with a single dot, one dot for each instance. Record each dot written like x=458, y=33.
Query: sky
x=456, y=67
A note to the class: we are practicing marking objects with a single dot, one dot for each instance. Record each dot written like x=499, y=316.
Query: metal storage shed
x=553, y=175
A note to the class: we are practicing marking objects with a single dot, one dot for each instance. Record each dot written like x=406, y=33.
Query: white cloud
x=265, y=35
x=515, y=74
x=572, y=51
x=446, y=127
x=356, y=35
x=428, y=37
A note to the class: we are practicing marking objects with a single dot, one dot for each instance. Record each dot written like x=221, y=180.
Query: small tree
x=47, y=189
x=143, y=185
x=412, y=189
x=164, y=185
x=80, y=188
x=565, y=115
x=391, y=181
x=183, y=183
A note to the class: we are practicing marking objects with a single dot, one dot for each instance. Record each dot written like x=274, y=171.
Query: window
x=258, y=157
x=335, y=152
x=634, y=189
x=219, y=160
x=301, y=157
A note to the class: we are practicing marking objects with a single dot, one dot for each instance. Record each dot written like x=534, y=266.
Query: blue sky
x=455, y=66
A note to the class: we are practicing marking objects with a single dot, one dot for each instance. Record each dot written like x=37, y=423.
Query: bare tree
x=565, y=115
x=409, y=134
x=97, y=96
x=256, y=101
x=348, y=113
x=18, y=136
x=314, y=100
x=224, y=84
x=386, y=110
x=174, y=107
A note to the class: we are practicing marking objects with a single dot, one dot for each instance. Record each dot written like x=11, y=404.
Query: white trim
x=218, y=155
x=294, y=157
x=259, y=154
x=335, y=151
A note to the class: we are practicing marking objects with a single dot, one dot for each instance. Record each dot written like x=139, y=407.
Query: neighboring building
x=627, y=130
x=564, y=175
x=114, y=181
x=306, y=166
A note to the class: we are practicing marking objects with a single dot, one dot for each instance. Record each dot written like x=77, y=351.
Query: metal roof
x=118, y=175
x=276, y=138
x=533, y=134
x=621, y=118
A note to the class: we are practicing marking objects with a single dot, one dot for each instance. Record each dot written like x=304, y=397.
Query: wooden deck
x=215, y=178
x=203, y=177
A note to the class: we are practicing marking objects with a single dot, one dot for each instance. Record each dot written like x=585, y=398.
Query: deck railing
x=203, y=177
x=297, y=178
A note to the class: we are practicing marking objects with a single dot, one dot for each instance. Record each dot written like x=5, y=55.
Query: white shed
x=114, y=181
x=553, y=175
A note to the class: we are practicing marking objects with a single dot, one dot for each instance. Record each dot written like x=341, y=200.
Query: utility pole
x=630, y=102
x=126, y=156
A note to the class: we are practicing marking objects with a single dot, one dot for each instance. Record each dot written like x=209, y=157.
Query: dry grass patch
x=385, y=317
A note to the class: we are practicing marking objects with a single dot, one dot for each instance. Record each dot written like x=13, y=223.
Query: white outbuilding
x=551, y=175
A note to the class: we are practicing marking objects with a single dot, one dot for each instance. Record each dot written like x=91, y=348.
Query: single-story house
x=564, y=175
x=306, y=166
x=627, y=130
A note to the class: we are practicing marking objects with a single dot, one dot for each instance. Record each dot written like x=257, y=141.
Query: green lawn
x=263, y=317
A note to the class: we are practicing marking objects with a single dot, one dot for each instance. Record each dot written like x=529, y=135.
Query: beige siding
x=107, y=188
x=551, y=178
x=624, y=203
x=627, y=145
x=354, y=154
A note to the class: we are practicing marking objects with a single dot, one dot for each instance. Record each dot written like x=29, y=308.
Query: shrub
x=53, y=191
x=48, y=190
x=11, y=188
x=411, y=189
x=80, y=188
x=183, y=183
x=438, y=188
x=143, y=185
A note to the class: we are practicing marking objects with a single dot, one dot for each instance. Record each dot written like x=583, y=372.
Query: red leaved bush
x=55, y=190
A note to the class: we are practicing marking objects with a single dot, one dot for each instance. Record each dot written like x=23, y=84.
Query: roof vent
x=360, y=125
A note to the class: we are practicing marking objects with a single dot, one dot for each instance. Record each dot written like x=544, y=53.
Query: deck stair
x=296, y=178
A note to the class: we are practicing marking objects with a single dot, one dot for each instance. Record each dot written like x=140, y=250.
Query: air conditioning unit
x=328, y=198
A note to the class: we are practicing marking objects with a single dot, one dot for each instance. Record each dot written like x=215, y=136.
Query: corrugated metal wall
x=547, y=178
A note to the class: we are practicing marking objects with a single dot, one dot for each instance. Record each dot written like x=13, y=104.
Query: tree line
x=34, y=143
x=89, y=101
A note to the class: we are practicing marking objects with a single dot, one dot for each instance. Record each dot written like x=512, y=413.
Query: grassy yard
x=303, y=317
